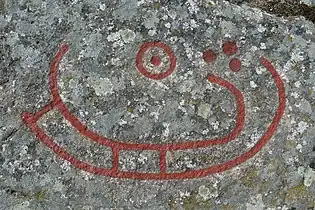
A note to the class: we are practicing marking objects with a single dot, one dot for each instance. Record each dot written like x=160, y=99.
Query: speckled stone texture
x=100, y=83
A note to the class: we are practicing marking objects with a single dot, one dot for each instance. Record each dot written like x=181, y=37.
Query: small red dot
x=230, y=48
x=155, y=60
x=235, y=65
x=209, y=56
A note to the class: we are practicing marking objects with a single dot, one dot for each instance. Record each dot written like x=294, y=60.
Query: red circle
x=166, y=49
x=235, y=65
x=155, y=60
x=114, y=171
x=230, y=48
x=209, y=56
x=85, y=131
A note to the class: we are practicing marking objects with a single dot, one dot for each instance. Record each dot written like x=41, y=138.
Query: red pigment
x=144, y=71
x=230, y=48
x=209, y=56
x=155, y=60
x=116, y=146
x=235, y=65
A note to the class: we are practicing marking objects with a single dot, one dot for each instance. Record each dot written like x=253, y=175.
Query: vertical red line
x=162, y=161
x=115, y=162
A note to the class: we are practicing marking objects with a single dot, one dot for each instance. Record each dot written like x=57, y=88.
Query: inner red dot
x=155, y=60
x=235, y=65
x=230, y=48
x=209, y=56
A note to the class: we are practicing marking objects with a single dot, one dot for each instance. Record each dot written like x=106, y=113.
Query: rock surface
x=101, y=82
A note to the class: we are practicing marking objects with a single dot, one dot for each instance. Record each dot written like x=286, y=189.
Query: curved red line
x=83, y=129
x=114, y=172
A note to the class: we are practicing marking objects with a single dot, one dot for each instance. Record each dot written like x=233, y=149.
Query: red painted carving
x=117, y=146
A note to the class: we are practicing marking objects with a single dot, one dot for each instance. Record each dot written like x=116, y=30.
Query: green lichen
x=129, y=109
x=227, y=207
x=310, y=92
x=157, y=5
x=172, y=203
x=191, y=202
x=291, y=144
x=250, y=180
x=275, y=165
x=40, y=195
x=195, y=102
x=265, y=186
x=297, y=67
x=290, y=38
x=69, y=78
x=296, y=193
x=206, y=158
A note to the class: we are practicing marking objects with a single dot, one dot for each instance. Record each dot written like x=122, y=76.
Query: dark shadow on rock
x=285, y=8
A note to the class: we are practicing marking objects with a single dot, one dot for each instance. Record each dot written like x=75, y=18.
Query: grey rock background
x=104, y=38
